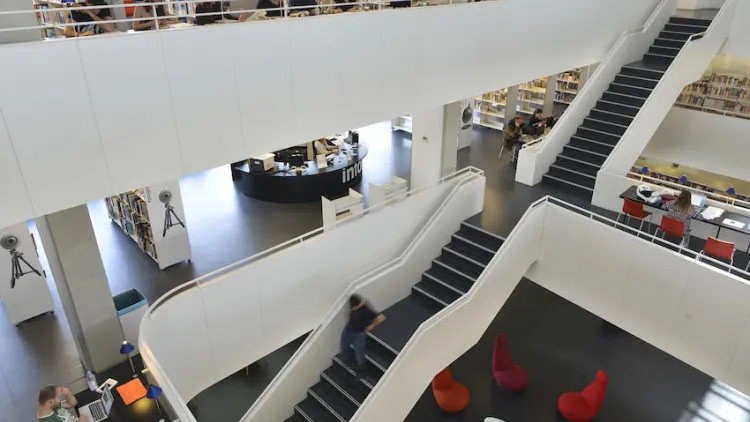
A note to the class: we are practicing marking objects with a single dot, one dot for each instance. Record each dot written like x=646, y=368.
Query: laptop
x=99, y=409
x=698, y=201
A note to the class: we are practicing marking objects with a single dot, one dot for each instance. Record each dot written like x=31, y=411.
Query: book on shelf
x=497, y=97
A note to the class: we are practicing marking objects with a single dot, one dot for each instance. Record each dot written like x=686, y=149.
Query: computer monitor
x=296, y=160
x=698, y=200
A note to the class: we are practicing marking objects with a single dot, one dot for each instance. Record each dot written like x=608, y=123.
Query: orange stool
x=450, y=395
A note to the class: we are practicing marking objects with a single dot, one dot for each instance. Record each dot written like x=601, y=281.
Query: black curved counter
x=279, y=185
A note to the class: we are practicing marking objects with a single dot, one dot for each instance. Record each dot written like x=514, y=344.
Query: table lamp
x=127, y=349
x=153, y=392
x=644, y=170
x=731, y=190
x=683, y=179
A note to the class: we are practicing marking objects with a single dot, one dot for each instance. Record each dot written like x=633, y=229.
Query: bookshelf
x=129, y=211
x=531, y=95
x=52, y=12
x=489, y=109
x=144, y=216
x=567, y=87
x=718, y=92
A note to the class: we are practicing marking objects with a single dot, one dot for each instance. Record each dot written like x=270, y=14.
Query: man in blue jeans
x=362, y=319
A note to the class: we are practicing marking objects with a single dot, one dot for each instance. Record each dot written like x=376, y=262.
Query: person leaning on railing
x=147, y=11
x=90, y=20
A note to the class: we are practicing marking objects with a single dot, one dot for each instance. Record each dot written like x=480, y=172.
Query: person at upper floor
x=91, y=21
x=269, y=5
x=207, y=7
x=322, y=148
x=300, y=6
x=682, y=209
x=145, y=11
x=57, y=404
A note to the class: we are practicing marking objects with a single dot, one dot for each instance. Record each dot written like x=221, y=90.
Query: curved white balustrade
x=209, y=328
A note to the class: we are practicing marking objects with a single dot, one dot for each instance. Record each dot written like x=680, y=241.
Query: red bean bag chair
x=450, y=395
x=508, y=375
x=584, y=406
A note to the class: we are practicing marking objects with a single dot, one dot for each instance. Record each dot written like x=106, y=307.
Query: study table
x=287, y=185
x=632, y=194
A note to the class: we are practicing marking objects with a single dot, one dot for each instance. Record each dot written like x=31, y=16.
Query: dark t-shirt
x=361, y=318
x=298, y=3
x=80, y=17
x=268, y=4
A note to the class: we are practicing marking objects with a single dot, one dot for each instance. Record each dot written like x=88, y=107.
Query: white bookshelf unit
x=531, y=96
x=340, y=208
x=720, y=92
x=568, y=84
x=489, y=109
x=142, y=215
x=395, y=189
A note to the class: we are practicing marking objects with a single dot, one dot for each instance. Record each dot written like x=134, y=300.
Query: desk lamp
x=683, y=179
x=127, y=349
x=731, y=190
x=644, y=170
x=153, y=392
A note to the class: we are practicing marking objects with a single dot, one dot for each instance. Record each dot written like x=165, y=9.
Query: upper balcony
x=83, y=118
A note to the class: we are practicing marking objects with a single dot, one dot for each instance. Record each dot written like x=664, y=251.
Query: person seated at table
x=512, y=137
x=682, y=209
x=57, y=404
x=91, y=20
x=322, y=148
x=207, y=7
x=297, y=6
x=537, y=123
x=341, y=7
x=145, y=11
x=271, y=4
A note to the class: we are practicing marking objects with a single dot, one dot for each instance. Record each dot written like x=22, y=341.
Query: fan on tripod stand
x=165, y=197
x=10, y=243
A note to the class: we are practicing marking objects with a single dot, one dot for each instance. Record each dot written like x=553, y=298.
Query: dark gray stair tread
x=315, y=411
x=402, y=320
x=604, y=126
x=636, y=81
x=334, y=399
x=438, y=291
x=667, y=51
x=449, y=277
x=465, y=247
x=296, y=418
x=459, y=263
x=617, y=108
x=577, y=178
x=347, y=382
x=684, y=28
x=669, y=43
x=587, y=156
x=480, y=237
x=552, y=181
x=371, y=374
x=593, y=134
x=629, y=89
x=608, y=115
x=568, y=162
x=649, y=65
x=588, y=145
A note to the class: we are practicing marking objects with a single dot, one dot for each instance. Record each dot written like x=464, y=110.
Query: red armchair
x=450, y=395
x=584, y=406
x=508, y=375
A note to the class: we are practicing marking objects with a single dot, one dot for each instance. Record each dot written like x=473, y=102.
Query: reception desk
x=290, y=186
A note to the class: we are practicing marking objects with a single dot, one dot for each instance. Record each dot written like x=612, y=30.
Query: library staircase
x=587, y=150
x=341, y=389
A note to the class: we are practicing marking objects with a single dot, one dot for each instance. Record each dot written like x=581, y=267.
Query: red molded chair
x=508, y=375
x=129, y=10
x=634, y=209
x=584, y=406
x=450, y=395
x=720, y=249
x=671, y=226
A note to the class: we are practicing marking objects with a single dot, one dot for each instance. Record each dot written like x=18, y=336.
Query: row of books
x=564, y=97
x=496, y=96
x=572, y=76
x=694, y=185
x=729, y=93
x=730, y=80
x=130, y=212
x=536, y=83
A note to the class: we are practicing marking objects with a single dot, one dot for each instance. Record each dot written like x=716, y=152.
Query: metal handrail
x=353, y=287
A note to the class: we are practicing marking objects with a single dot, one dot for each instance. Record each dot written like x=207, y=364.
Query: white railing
x=184, y=12
x=689, y=65
x=171, y=392
x=304, y=367
x=465, y=320
x=535, y=162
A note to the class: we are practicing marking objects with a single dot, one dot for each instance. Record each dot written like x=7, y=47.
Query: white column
x=434, y=148
x=549, y=95
x=76, y=265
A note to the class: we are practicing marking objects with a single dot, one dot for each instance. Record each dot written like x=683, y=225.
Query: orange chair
x=670, y=226
x=129, y=10
x=634, y=209
x=584, y=406
x=720, y=249
x=450, y=395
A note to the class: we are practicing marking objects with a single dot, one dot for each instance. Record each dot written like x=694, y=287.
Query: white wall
x=194, y=334
x=14, y=21
x=130, y=110
x=664, y=298
x=705, y=141
x=738, y=42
